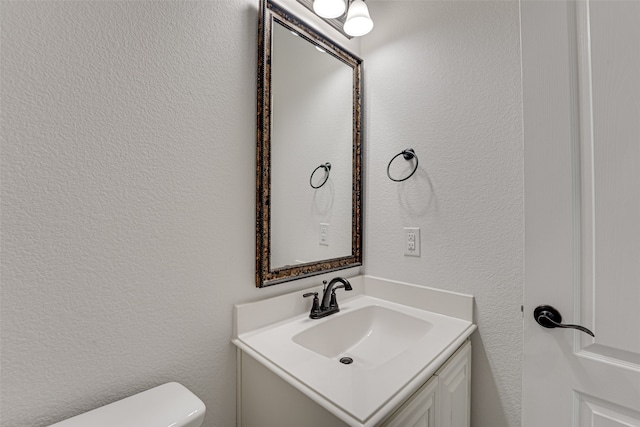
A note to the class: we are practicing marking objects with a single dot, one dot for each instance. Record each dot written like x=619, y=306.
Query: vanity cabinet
x=454, y=390
x=410, y=352
x=444, y=401
x=419, y=410
x=264, y=399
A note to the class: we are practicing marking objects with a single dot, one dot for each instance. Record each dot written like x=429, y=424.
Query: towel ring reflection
x=408, y=154
x=327, y=171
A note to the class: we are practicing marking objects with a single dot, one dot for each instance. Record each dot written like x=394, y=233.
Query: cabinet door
x=419, y=410
x=454, y=390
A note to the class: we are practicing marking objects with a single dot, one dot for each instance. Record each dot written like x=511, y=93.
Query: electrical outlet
x=324, y=234
x=411, y=241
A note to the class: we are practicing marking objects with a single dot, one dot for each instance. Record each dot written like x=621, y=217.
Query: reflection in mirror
x=308, y=181
x=305, y=134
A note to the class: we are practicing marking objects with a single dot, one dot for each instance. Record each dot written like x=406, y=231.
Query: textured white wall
x=443, y=77
x=128, y=182
x=128, y=153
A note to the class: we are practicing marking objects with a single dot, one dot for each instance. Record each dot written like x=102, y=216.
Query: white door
x=581, y=94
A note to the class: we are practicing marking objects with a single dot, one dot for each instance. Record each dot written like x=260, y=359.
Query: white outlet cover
x=411, y=241
x=323, y=237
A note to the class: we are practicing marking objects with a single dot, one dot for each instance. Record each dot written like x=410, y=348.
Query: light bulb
x=358, y=21
x=329, y=8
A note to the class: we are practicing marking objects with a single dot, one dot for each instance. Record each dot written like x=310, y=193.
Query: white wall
x=128, y=188
x=443, y=77
x=128, y=176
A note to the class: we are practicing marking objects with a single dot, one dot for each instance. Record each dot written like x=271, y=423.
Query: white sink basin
x=370, y=335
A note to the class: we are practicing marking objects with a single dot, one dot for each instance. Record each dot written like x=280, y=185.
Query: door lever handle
x=549, y=317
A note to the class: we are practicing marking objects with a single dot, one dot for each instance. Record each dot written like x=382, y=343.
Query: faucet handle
x=334, y=301
x=315, y=308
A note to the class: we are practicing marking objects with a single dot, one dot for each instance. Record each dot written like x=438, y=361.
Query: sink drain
x=346, y=360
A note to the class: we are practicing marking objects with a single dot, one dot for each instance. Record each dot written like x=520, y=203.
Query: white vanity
x=410, y=352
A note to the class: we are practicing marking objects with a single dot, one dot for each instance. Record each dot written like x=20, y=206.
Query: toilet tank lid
x=170, y=404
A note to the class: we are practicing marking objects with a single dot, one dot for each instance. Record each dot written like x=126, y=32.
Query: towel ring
x=327, y=171
x=408, y=154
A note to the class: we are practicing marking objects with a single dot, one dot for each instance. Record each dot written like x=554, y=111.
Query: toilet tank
x=168, y=405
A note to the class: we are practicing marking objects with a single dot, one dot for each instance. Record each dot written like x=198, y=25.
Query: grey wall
x=443, y=77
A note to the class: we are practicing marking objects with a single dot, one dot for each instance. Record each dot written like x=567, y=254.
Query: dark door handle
x=549, y=317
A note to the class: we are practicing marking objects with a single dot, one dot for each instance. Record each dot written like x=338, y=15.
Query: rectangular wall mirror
x=308, y=192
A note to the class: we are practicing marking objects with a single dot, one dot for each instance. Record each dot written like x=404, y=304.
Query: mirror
x=308, y=200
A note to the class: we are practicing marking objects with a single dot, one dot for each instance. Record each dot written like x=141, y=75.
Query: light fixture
x=329, y=8
x=358, y=21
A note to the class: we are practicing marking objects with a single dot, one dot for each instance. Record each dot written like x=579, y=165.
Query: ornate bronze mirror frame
x=267, y=274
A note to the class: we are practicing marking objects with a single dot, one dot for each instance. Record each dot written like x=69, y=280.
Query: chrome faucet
x=329, y=302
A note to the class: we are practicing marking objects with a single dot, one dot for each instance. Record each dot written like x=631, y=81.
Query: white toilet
x=168, y=405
